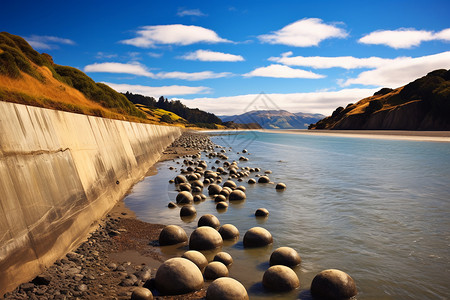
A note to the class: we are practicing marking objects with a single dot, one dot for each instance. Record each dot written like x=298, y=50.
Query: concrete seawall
x=59, y=173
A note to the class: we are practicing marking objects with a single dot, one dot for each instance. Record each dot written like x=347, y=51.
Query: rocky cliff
x=423, y=104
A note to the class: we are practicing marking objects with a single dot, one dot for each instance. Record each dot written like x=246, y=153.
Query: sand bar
x=425, y=136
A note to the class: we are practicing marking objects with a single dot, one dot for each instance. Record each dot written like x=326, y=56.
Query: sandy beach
x=425, y=136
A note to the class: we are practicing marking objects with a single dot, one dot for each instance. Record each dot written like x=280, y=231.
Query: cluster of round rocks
x=187, y=273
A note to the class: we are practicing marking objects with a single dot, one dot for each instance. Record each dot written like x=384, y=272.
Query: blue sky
x=305, y=56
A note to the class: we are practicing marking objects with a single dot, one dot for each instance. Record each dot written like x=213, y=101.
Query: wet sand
x=425, y=136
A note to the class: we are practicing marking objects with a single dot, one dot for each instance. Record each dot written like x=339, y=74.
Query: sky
x=230, y=57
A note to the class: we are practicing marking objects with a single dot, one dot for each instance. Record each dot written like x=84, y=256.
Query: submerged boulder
x=178, y=276
x=226, y=288
x=171, y=235
x=205, y=238
x=334, y=285
x=280, y=279
x=257, y=237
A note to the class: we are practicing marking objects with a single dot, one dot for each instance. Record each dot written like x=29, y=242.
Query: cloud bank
x=140, y=70
x=280, y=71
x=304, y=33
x=177, y=34
x=207, y=55
x=404, y=38
x=314, y=102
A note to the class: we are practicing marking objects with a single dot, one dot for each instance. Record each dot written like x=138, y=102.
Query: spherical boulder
x=226, y=288
x=280, y=279
x=224, y=258
x=214, y=189
x=180, y=179
x=285, y=256
x=242, y=188
x=261, y=212
x=263, y=179
x=184, y=197
x=229, y=232
x=205, y=238
x=171, y=235
x=333, y=284
x=221, y=205
x=178, y=276
x=141, y=293
x=184, y=187
x=209, y=220
x=197, y=258
x=229, y=183
x=197, y=198
x=214, y=270
x=187, y=211
x=257, y=237
x=171, y=205
x=197, y=183
x=237, y=195
x=251, y=181
x=280, y=186
x=220, y=198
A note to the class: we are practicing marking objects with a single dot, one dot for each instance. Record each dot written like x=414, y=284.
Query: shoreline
x=422, y=136
x=113, y=258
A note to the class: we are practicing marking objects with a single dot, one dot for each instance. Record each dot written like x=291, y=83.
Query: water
x=376, y=209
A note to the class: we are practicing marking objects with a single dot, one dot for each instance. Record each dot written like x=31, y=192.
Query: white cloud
x=113, y=67
x=207, y=55
x=401, y=72
x=47, y=42
x=157, y=91
x=138, y=69
x=280, y=71
x=315, y=102
x=304, y=33
x=176, y=34
x=404, y=37
x=320, y=62
x=191, y=76
x=190, y=12
x=154, y=54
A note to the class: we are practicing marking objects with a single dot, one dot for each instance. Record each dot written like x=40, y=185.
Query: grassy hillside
x=31, y=78
x=423, y=104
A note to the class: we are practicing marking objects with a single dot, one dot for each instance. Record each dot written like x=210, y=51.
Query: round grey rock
x=257, y=237
x=224, y=258
x=209, y=220
x=226, y=288
x=178, y=276
x=171, y=235
x=197, y=258
x=285, y=256
x=214, y=270
x=141, y=293
x=237, y=195
x=229, y=232
x=205, y=238
x=280, y=279
x=187, y=211
x=334, y=285
x=184, y=197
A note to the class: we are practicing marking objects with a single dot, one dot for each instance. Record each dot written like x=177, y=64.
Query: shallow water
x=376, y=209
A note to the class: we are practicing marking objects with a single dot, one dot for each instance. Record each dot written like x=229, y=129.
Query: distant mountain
x=423, y=104
x=275, y=119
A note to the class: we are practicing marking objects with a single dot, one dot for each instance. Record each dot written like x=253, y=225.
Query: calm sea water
x=376, y=209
